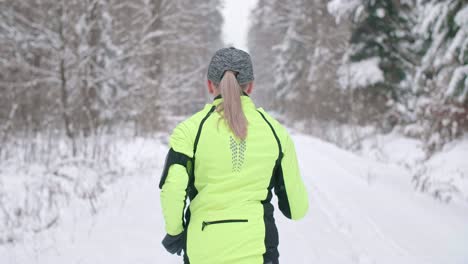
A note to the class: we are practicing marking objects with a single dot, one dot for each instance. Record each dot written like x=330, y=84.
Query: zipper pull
x=204, y=224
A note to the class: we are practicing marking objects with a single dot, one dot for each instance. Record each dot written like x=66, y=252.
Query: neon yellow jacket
x=229, y=185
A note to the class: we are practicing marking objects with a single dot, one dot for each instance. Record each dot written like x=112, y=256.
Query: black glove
x=174, y=244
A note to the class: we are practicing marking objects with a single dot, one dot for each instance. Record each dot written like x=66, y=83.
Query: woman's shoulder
x=276, y=125
x=183, y=135
x=194, y=121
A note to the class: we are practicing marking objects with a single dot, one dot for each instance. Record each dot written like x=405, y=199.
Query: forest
x=391, y=65
x=77, y=75
x=90, y=89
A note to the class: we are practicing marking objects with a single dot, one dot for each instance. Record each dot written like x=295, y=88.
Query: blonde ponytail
x=231, y=107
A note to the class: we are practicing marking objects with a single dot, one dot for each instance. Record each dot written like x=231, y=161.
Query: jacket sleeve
x=292, y=194
x=174, y=182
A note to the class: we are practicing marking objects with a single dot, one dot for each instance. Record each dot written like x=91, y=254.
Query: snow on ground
x=361, y=211
x=393, y=148
x=444, y=175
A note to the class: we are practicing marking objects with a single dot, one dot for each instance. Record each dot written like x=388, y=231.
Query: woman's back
x=231, y=172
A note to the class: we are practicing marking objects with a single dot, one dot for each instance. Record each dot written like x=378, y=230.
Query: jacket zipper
x=205, y=223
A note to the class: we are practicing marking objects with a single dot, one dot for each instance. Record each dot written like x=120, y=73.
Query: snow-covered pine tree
x=306, y=46
x=198, y=27
x=380, y=57
x=293, y=61
x=440, y=81
x=269, y=23
x=327, y=42
x=415, y=54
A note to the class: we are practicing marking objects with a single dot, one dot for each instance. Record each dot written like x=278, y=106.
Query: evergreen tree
x=306, y=46
x=382, y=30
x=441, y=82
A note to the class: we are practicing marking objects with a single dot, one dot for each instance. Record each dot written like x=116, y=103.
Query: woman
x=226, y=159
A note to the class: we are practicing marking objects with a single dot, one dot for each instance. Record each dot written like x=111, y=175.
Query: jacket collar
x=245, y=100
x=219, y=96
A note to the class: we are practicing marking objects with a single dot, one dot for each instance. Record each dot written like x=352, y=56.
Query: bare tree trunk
x=7, y=126
x=90, y=90
x=63, y=85
x=151, y=122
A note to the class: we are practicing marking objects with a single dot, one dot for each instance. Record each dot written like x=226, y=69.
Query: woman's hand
x=174, y=244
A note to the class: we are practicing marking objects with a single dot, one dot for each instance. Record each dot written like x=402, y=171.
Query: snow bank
x=35, y=196
x=393, y=148
x=445, y=175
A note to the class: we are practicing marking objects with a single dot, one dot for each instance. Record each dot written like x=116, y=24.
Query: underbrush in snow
x=34, y=194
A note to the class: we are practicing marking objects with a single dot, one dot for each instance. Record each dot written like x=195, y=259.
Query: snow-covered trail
x=366, y=212
x=360, y=212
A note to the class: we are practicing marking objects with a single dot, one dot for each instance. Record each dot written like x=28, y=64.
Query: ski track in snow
x=351, y=220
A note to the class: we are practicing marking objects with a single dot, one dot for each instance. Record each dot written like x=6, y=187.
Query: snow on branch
x=458, y=85
x=360, y=74
x=342, y=8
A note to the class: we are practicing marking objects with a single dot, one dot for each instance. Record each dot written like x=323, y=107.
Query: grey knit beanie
x=231, y=59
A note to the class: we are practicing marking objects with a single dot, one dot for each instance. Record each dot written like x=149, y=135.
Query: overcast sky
x=236, y=22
